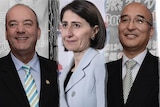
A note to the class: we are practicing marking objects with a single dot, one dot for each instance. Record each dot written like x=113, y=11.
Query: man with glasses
x=137, y=85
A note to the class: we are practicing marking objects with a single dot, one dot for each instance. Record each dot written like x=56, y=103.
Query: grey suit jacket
x=86, y=87
x=144, y=92
x=12, y=93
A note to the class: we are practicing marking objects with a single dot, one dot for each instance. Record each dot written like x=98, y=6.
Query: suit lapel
x=79, y=73
x=12, y=80
x=115, y=90
x=144, y=81
x=48, y=89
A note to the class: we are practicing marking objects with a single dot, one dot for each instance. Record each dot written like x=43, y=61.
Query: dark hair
x=36, y=17
x=91, y=14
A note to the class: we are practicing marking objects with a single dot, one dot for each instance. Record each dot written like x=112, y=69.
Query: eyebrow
x=71, y=22
x=128, y=16
x=27, y=20
x=141, y=16
x=136, y=16
x=12, y=21
x=122, y=16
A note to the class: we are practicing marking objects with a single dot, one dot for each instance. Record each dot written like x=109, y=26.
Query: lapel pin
x=47, y=82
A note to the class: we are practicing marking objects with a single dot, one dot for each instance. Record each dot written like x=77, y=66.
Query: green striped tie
x=30, y=87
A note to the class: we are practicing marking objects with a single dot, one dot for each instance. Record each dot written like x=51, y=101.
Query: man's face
x=135, y=28
x=22, y=31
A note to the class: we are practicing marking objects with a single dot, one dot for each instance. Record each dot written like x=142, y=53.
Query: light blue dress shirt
x=35, y=70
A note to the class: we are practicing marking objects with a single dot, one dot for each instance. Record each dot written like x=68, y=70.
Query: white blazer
x=86, y=87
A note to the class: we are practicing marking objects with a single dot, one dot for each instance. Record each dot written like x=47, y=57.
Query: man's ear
x=6, y=35
x=39, y=33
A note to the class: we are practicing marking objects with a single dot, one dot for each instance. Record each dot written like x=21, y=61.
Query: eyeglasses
x=138, y=20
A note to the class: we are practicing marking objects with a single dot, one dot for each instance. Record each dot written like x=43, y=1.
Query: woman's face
x=76, y=32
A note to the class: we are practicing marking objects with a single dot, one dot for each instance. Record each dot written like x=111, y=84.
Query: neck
x=24, y=57
x=131, y=54
x=77, y=58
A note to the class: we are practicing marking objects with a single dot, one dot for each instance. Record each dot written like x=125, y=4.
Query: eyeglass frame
x=134, y=20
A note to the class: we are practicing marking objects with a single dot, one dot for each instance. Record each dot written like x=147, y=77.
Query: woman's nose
x=69, y=32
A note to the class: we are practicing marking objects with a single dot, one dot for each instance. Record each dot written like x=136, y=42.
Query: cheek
x=146, y=33
x=120, y=33
x=63, y=34
x=9, y=35
x=121, y=28
x=84, y=40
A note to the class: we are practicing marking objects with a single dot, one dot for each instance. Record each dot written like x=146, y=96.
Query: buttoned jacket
x=86, y=87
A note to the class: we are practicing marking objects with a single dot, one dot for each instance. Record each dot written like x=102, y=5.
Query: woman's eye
x=64, y=25
x=76, y=25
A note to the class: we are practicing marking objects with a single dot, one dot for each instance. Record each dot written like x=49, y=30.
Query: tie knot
x=26, y=68
x=130, y=64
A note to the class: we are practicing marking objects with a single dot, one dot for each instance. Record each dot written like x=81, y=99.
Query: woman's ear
x=95, y=29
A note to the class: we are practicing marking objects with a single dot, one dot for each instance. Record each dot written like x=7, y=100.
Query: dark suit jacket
x=12, y=93
x=144, y=92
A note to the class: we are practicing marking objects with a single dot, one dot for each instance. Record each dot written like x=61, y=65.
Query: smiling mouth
x=131, y=36
x=21, y=38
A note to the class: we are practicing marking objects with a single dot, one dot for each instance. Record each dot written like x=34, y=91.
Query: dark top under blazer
x=144, y=92
x=12, y=93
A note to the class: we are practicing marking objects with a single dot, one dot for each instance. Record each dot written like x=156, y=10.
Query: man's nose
x=20, y=28
x=131, y=25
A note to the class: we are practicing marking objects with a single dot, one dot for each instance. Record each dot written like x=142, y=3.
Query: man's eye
x=139, y=20
x=28, y=24
x=13, y=24
x=124, y=20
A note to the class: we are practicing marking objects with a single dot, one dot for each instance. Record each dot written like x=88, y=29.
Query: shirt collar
x=139, y=58
x=33, y=63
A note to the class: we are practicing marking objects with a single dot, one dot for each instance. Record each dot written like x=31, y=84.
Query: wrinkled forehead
x=134, y=9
